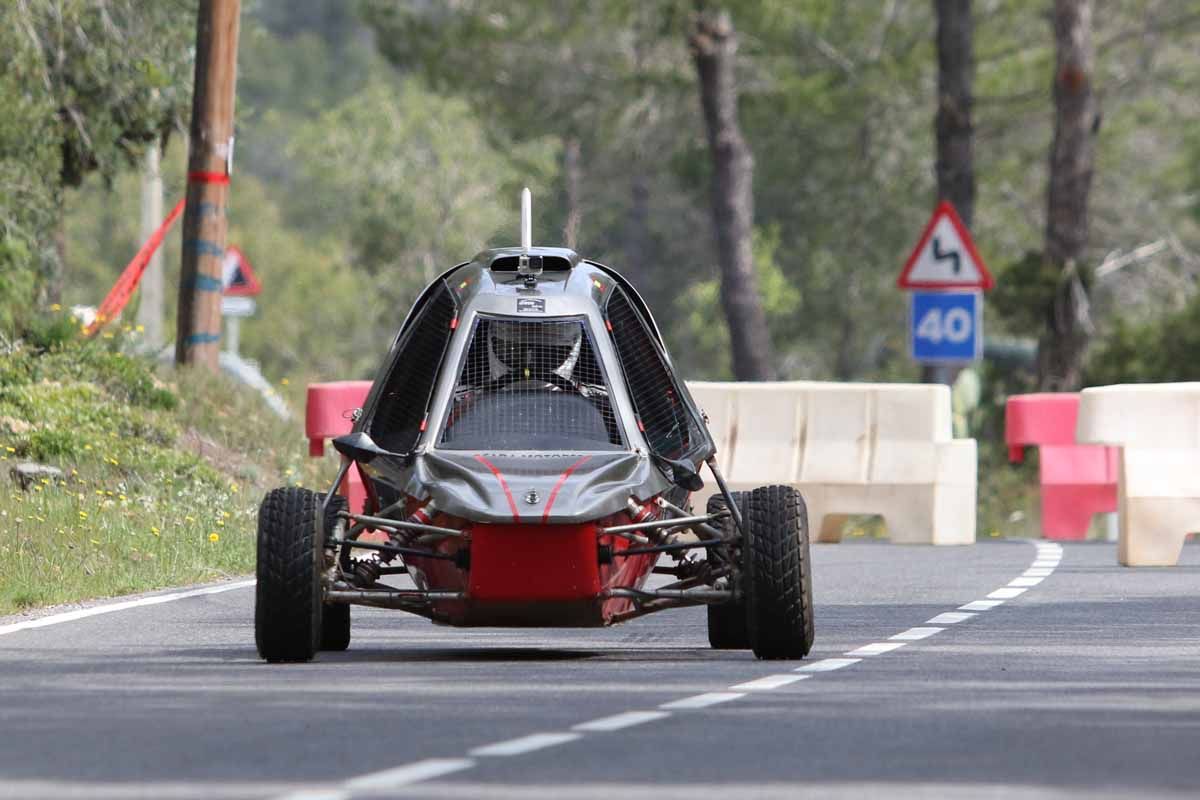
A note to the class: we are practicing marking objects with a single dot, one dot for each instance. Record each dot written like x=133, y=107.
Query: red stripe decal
x=557, y=486
x=512, y=504
x=207, y=177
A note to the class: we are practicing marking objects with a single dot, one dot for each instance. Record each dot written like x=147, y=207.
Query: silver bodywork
x=519, y=486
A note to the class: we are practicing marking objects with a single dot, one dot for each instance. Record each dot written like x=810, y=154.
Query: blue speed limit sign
x=946, y=327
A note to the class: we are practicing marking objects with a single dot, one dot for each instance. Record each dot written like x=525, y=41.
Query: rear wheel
x=776, y=573
x=335, y=617
x=287, y=609
x=727, y=622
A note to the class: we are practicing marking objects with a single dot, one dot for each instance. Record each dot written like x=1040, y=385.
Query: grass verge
x=163, y=472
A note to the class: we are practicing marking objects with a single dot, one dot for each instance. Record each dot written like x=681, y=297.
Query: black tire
x=335, y=626
x=287, y=609
x=727, y=622
x=776, y=573
x=335, y=617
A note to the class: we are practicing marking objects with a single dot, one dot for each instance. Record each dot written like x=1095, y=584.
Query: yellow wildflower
x=214, y=537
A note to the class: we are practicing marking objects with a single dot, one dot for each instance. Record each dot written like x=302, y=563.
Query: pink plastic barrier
x=327, y=416
x=1076, y=480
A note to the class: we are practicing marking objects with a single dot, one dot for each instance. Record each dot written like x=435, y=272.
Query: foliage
x=86, y=85
x=154, y=470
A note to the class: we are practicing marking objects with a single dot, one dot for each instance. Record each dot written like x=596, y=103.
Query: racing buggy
x=528, y=454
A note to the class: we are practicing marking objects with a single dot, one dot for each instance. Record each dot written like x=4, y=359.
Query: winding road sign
x=945, y=257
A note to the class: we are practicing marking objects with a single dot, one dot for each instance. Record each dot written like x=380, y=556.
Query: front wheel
x=727, y=622
x=335, y=617
x=287, y=609
x=776, y=573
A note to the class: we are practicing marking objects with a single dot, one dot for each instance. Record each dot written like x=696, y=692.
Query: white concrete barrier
x=1157, y=427
x=850, y=448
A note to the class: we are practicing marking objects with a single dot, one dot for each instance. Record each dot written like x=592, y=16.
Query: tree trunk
x=952, y=124
x=572, y=186
x=714, y=45
x=953, y=129
x=1064, y=343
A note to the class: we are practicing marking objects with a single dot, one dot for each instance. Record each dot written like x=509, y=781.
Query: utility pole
x=150, y=309
x=210, y=158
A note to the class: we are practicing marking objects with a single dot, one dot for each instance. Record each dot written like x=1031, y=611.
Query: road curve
x=1074, y=678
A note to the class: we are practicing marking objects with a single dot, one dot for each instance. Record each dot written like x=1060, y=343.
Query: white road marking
x=915, y=634
x=1047, y=560
x=415, y=772
x=702, y=700
x=619, y=721
x=876, y=649
x=981, y=605
x=828, y=665
x=525, y=744
x=109, y=608
x=769, y=682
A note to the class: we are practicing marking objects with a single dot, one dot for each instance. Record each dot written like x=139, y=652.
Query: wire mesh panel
x=670, y=427
x=531, y=384
x=402, y=406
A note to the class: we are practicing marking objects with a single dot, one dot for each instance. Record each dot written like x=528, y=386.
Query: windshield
x=531, y=385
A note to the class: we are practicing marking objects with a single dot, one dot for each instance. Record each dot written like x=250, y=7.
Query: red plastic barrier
x=328, y=415
x=1077, y=480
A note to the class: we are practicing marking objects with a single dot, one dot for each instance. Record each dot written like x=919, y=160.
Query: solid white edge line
x=1038, y=572
x=1006, y=593
x=701, y=700
x=768, y=682
x=1045, y=563
x=124, y=605
x=626, y=719
x=828, y=665
x=949, y=618
x=1025, y=581
x=526, y=744
x=403, y=775
x=915, y=634
x=876, y=649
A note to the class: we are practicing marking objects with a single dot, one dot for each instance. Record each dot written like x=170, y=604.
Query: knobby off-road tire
x=335, y=617
x=287, y=609
x=727, y=622
x=777, y=574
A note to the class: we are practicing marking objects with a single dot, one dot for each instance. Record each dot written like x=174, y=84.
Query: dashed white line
x=768, y=682
x=409, y=773
x=525, y=744
x=109, y=608
x=618, y=722
x=876, y=649
x=1047, y=560
x=915, y=634
x=981, y=605
x=701, y=700
x=827, y=665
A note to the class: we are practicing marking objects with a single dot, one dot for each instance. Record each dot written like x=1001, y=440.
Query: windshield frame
x=461, y=357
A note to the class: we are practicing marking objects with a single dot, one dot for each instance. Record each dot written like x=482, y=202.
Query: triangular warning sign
x=945, y=257
x=238, y=278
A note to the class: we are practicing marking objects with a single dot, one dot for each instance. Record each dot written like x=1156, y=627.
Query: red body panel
x=531, y=575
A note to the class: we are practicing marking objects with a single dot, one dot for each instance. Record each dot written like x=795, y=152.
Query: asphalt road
x=1086, y=684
